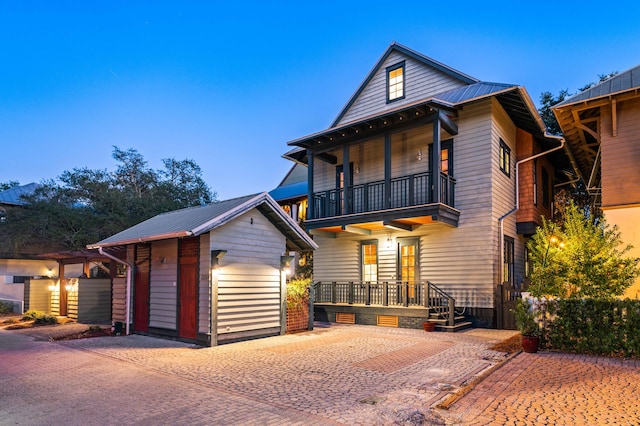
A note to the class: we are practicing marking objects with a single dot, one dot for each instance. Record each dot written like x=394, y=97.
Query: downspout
x=517, y=206
x=128, y=291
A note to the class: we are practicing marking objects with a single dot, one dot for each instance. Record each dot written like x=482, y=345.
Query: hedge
x=596, y=326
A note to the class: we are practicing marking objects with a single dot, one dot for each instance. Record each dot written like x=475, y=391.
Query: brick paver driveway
x=337, y=375
x=342, y=374
x=554, y=389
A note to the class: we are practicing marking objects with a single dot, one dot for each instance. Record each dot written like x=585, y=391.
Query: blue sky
x=229, y=83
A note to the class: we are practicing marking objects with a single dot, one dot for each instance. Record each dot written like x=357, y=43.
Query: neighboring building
x=602, y=126
x=208, y=274
x=291, y=194
x=17, y=266
x=411, y=195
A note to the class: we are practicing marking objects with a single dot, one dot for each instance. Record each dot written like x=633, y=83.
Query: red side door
x=141, y=289
x=188, y=288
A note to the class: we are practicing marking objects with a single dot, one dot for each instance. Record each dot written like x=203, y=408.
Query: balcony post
x=387, y=171
x=334, y=292
x=385, y=294
x=310, y=199
x=351, y=292
x=367, y=297
x=346, y=171
x=436, y=167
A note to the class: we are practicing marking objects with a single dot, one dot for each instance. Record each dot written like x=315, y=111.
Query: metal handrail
x=403, y=191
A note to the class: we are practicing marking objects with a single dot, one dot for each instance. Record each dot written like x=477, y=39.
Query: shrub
x=46, y=319
x=297, y=293
x=6, y=307
x=31, y=314
x=597, y=326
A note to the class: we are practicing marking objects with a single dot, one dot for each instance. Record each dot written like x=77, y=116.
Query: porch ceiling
x=378, y=123
x=367, y=223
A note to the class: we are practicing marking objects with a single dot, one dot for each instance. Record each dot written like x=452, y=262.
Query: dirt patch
x=90, y=332
x=511, y=345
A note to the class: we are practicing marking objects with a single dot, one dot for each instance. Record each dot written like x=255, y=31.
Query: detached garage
x=208, y=274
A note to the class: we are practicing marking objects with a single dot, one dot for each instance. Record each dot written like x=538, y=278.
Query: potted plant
x=527, y=325
x=429, y=326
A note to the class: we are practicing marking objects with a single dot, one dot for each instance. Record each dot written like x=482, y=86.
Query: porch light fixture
x=419, y=155
x=52, y=287
x=389, y=240
x=356, y=169
x=216, y=255
x=285, y=264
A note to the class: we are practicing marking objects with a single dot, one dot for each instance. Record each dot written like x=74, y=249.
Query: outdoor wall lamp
x=285, y=264
x=419, y=155
x=216, y=255
x=356, y=169
x=52, y=287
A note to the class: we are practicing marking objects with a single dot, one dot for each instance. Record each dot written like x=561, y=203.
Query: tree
x=548, y=99
x=85, y=206
x=580, y=258
x=9, y=184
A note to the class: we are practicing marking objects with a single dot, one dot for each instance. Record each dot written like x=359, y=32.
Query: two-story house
x=412, y=195
x=602, y=126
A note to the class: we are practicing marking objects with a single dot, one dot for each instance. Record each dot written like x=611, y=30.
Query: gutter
x=517, y=206
x=128, y=291
x=157, y=237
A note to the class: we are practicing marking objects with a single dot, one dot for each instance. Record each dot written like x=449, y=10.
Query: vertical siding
x=421, y=82
x=204, y=286
x=163, y=288
x=621, y=155
x=249, y=293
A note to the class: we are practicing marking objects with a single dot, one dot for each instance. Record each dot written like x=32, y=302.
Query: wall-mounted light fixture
x=285, y=264
x=419, y=155
x=356, y=169
x=216, y=255
x=53, y=287
x=389, y=240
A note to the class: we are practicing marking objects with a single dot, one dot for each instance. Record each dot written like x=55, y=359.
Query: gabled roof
x=290, y=192
x=14, y=195
x=195, y=221
x=397, y=47
x=514, y=99
x=620, y=83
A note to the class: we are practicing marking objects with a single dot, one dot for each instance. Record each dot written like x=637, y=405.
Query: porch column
x=346, y=172
x=63, y=291
x=387, y=171
x=436, y=167
x=310, y=201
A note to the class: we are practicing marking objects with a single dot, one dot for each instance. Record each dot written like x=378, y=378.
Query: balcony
x=403, y=192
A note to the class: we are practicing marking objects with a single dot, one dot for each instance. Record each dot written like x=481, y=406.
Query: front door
x=188, y=287
x=141, y=288
x=408, y=267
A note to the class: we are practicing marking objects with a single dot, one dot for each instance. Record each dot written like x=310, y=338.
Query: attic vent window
x=395, y=82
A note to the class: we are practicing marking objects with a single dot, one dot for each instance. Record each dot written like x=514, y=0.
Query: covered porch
x=390, y=302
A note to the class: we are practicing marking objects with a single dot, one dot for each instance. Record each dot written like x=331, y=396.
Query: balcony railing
x=405, y=191
x=387, y=293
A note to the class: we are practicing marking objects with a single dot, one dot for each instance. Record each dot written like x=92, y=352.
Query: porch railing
x=387, y=293
x=404, y=191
